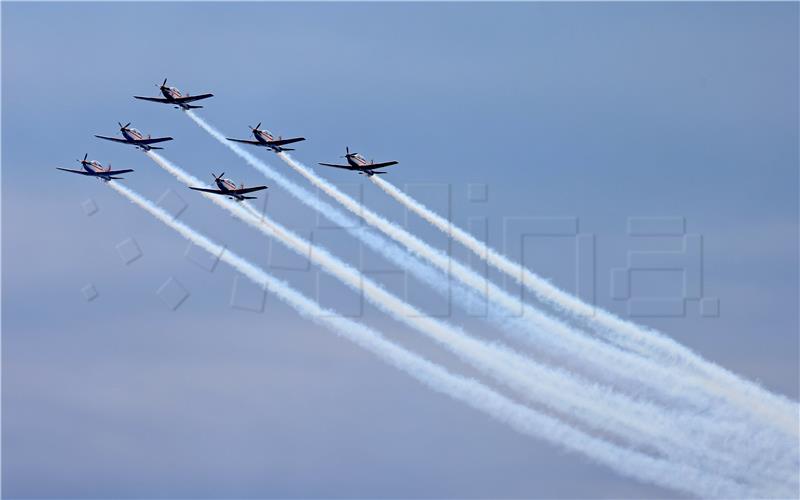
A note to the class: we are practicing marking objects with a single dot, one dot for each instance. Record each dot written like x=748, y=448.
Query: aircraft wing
x=153, y=99
x=152, y=141
x=117, y=172
x=381, y=165
x=249, y=190
x=245, y=141
x=346, y=167
x=115, y=139
x=191, y=98
x=281, y=142
x=82, y=172
x=214, y=191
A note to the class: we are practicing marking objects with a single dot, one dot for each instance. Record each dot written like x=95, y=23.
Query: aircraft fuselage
x=265, y=137
x=132, y=135
x=171, y=93
x=228, y=186
x=93, y=167
x=356, y=160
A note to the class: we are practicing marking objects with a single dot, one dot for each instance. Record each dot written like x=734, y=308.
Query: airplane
x=229, y=189
x=94, y=169
x=266, y=139
x=357, y=162
x=174, y=96
x=135, y=138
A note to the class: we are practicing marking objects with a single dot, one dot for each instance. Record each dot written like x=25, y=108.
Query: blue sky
x=595, y=111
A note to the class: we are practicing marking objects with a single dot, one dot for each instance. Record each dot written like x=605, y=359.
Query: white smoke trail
x=518, y=417
x=624, y=365
x=547, y=334
x=589, y=403
x=624, y=333
x=598, y=407
x=567, y=341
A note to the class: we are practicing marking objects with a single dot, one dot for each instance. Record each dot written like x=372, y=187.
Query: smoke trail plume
x=666, y=382
x=597, y=407
x=558, y=336
x=518, y=417
x=624, y=333
x=547, y=333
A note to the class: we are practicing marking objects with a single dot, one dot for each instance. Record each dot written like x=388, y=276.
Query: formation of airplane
x=266, y=139
x=173, y=96
x=135, y=138
x=359, y=164
x=263, y=138
x=93, y=168
x=228, y=188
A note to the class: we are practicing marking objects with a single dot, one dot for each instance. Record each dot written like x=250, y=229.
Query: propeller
x=163, y=84
x=217, y=177
x=84, y=158
x=256, y=127
x=123, y=127
x=349, y=154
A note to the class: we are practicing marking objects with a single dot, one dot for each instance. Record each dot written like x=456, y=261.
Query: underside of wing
x=152, y=141
x=191, y=98
x=115, y=139
x=249, y=190
x=153, y=99
x=214, y=191
x=244, y=141
x=384, y=164
x=82, y=172
x=117, y=172
x=346, y=167
x=281, y=142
